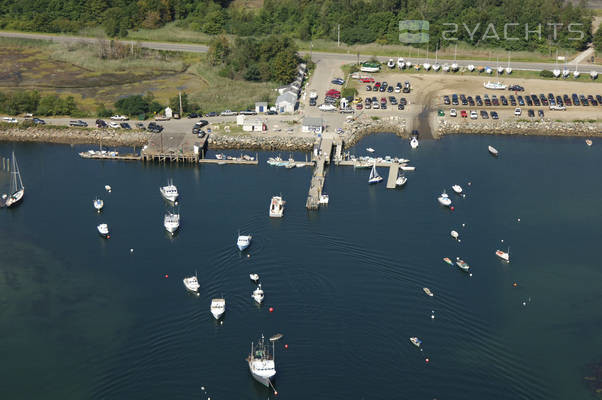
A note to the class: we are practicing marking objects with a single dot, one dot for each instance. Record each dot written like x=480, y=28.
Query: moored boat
x=401, y=180
x=454, y=234
x=428, y=292
x=171, y=222
x=503, y=255
x=492, y=150
x=277, y=207
x=374, y=176
x=462, y=265
x=457, y=189
x=103, y=229
x=254, y=277
x=17, y=190
x=98, y=204
x=192, y=284
x=448, y=260
x=218, y=307
x=588, y=142
x=261, y=363
x=413, y=142
x=415, y=341
x=243, y=241
x=169, y=191
x=444, y=199
x=258, y=294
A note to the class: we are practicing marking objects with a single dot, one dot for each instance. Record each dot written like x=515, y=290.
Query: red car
x=377, y=84
x=359, y=106
x=367, y=80
x=463, y=114
x=333, y=93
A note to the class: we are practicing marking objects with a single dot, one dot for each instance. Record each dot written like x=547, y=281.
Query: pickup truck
x=227, y=113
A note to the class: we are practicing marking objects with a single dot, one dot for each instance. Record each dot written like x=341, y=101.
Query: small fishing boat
x=324, y=199
x=192, y=284
x=593, y=74
x=169, y=191
x=171, y=222
x=391, y=63
x=457, y=189
x=400, y=63
x=254, y=277
x=462, y=265
x=448, y=260
x=103, y=229
x=444, y=199
x=413, y=142
x=470, y=67
x=374, y=176
x=495, y=85
x=428, y=292
x=243, y=241
x=415, y=341
x=401, y=180
x=492, y=150
x=17, y=190
x=407, y=168
x=108, y=188
x=370, y=150
x=588, y=142
x=258, y=294
x=261, y=362
x=218, y=307
x=454, y=234
x=503, y=255
x=277, y=207
x=98, y=204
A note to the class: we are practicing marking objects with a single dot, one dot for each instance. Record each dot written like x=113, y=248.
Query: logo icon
x=413, y=31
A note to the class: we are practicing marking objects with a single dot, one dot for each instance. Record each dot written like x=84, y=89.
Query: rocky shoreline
x=74, y=136
x=260, y=142
x=521, y=127
x=363, y=127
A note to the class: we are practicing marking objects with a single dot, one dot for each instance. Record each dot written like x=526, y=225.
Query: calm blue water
x=83, y=318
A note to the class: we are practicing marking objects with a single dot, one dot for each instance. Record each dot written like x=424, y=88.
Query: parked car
x=247, y=112
x=504, y=100
x=368, y=88
x=101, y=123
x=80, y=123
x=359, y=106
x=9, y=120
x=119, y=118
x=402, y=100
x=227, y=113
x=312, y=102
x=484, y=114
x=38, y=121
x=441, y=113
x=516, y=88
x=473, y=115
x=125, y=125
x=382, y=88
x=446, y=100
x=272, y=112
x=463, y=114
x=114, y=125
x=154, y=127
x=453, y=113
x=337, y=81
x=140, y=125
x=389, y=89
x=193, y=115
x=517, y=112
x=540, y=113
x=367, y=79
x=494, y=115
x=530, y=113
x=211, y=114
x=400, y=106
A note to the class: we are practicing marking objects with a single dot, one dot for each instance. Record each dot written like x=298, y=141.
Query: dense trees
x=273, y=58
x=135, y=105
x=361, y=21
x=30, y=101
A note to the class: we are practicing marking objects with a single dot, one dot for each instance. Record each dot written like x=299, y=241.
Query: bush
x=103, y=112
x=546, y=74
x=349, y=92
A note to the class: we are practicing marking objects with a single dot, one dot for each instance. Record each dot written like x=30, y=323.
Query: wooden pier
x=107, y=156
x=175, y=148
x=321, y=156
x=231, y=161
x=393, y=172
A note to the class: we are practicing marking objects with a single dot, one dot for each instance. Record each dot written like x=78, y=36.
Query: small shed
x=253, y=125
x=313, y=124
x=261, y=107
x=168, y=112
x=286, y=103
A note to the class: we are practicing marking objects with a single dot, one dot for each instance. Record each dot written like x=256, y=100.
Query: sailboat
x=414, y=142
x=500, y=69
x=508, y=69
x=400, y=63
x=593, y=74
x=17, y=190
x=556, y=70
x=565, y=72
x=427, y=65
x=454, y=66
x=576, y=73
x=374, y=176
x=436, y=65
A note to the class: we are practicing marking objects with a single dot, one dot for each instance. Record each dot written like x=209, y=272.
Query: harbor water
x=86, y=318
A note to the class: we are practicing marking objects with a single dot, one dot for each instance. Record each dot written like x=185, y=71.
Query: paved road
x=316, y=56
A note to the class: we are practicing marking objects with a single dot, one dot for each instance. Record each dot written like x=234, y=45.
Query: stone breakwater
x=74, y=136
x=261, y=141
x=359, y=128
x=542, y=128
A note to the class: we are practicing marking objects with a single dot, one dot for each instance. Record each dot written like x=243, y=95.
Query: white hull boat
x=276, y=207
x=401, y=180
x=414, y=142
x=415, y=341
x=171, y=222
x=426, y=66
x=254, y=277
x=470, y=67
x=258, y=294
x=391, y=63
x=500, y=70
x=428, y=291
x=370, y=150
x=462, y=265
x=407, y=168
x=374, y=176
x=436, y=67
x=324, y=199
x=261, y=363
x=98, y=204
x=108, y=188
x=218, y=307
x=444, y=199
x=495, y=85
x=503, y=255
x=457, y=189
x=492, y=150
x=593, y=74
x=192, y=284
x=588, y=142
x=169, y=192
x=455, y=234
x=508, y=70
x=400, y=63
x=243, y=241
x=103, y=229
x=17, y=190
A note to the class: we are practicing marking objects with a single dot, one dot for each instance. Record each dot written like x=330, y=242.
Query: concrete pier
x=393, y=172
x=321, y=155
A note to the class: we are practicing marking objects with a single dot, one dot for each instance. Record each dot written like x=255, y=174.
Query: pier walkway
x=182, y=148
x=321, y=156
x=393, y=172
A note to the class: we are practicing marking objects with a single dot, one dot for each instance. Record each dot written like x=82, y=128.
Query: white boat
x=415, y=341
x=503, y=255
x=500, y=70
x=103, y=229
x=409, y=64
x=192, y=284
x=374, y=176
x=254, y=277
x=508, y=69
x=488, y=70
x=444, y=199
x=492, y=150
x=169, y=192
x=370, y=150
x=218, y=307
x=17, y=190
x=454, y=67
x=98, y=204
x=324, y=199
x=401, y=180
x=556, y=72
x=436, y=67
x=495, y=85
x=277, y=207
x=428, y=292
x=454, y=234
x=413, y=142
x=262, y=364
x=445, y=68
x=391, y=63
x=576, y=72
x=171, y=222
x=470, y=67
x=400, y=63
x=427, y=66
x=566, y=72
x=220, y=156
x=588, y=142
x=108, y=188
x=407, y=168
x=462, y=265
x=243, y=241
x=258, y=294
x=593, y=74
x=457, y=189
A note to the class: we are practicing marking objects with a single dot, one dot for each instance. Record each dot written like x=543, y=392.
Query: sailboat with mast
x=508, y=68
x=374, y=176
x=436, y=65
x=17, y=190
x=426, y=64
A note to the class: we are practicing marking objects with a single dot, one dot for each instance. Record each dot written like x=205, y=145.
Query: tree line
x=360, y=21
x=31, y=101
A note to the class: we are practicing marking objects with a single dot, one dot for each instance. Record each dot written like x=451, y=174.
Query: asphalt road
x=316, y=56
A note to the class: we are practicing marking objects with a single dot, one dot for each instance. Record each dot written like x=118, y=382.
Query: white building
x=313, y=124
x=252, y=124
x=261, y=107
x=286, y=103
x=168, y=113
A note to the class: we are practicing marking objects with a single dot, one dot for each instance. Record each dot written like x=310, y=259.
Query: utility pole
x=180, y=96
x=339, y=35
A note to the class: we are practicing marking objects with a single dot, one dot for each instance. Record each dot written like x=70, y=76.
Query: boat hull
x=15, y=198
x=265, y=381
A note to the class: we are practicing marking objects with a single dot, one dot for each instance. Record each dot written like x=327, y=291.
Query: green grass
x=169, y=33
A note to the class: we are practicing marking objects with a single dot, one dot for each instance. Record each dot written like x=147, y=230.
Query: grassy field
x=77, y=70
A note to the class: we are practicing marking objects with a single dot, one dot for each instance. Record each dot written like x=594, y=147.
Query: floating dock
x=393, y=173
